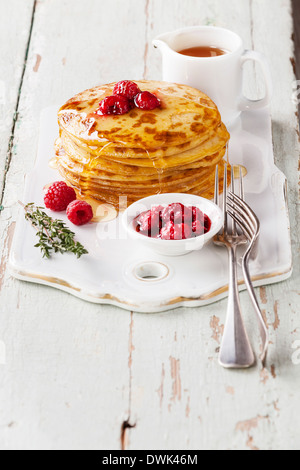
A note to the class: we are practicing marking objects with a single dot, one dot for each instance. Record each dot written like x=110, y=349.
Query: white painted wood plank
x=281, y=301
x=65, y=382
x=78, y=364
x=181, y=398
x=15, y=22
x=66, y=379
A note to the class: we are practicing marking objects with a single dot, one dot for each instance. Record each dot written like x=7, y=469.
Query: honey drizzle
x=236, y=171
x=159, y=165
x=102, y=211
x=53, y=163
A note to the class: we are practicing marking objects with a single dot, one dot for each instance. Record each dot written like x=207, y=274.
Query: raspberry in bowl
x=173, y=224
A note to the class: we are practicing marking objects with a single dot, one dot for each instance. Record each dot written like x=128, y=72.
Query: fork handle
x=236, y=351
x=262, y=325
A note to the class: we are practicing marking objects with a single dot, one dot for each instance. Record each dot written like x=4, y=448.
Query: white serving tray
x=116, y=271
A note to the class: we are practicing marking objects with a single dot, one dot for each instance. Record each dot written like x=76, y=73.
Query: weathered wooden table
x=80, y=376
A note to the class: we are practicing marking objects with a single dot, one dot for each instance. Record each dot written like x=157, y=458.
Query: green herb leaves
x=53, y=234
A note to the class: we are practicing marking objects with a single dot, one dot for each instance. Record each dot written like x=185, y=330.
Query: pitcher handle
x=246, y=103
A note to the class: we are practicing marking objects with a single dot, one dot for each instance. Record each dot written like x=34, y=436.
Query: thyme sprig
x=53, y=234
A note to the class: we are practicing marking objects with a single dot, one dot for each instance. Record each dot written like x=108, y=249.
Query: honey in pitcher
x=203, y=51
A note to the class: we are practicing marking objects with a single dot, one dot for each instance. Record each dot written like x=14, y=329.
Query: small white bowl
x=173, y=247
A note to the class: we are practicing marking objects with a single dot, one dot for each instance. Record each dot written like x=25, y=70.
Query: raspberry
x=175, y=231
x=146, y=100
x=150, y=222
x=177, y=213
x=126, y=88
x=198, y=228
x=144, y=222
x=207, y=224
x=156, y=220
x=167, y=232
x=198, y=215
x=58, y=196
x=173, y=222
x=117, y=104
x=168, y=214
x=157, y=209
x=182, y=231
x=79, y=212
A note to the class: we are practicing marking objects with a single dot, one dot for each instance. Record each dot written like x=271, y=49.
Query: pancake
x=205, y=188
x=209, y=146
x=186, y=115
x=173, y=148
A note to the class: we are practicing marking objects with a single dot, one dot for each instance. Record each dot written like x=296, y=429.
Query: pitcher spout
x=162, y=42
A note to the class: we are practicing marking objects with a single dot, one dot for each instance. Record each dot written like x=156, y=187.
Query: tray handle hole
x=151, y=271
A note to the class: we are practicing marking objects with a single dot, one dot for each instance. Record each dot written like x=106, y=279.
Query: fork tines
x=230, y=197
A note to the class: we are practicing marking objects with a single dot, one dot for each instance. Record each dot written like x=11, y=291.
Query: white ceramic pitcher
x=220, y=77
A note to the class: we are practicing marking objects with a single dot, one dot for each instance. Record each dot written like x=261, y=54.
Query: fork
x=249, y=224
x=235, y=351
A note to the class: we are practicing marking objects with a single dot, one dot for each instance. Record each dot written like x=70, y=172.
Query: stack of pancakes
x=174, y=148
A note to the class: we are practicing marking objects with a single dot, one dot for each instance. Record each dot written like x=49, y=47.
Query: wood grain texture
x=15, y=25
x=77, y=376
x=296, y=16
x=69, y=358
x=296, y=38
x=191, y=394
